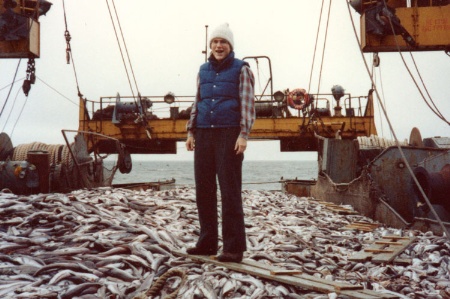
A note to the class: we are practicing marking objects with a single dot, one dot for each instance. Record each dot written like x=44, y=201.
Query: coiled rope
x=58, y=154
x=59, y=157
x=156, y=288
x=65, y=174
x=375, y=141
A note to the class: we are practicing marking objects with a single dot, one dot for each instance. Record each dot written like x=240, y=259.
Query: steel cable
x=12, y=85
x=120, y=49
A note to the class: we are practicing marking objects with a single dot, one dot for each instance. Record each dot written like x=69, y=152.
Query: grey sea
x=256, y=175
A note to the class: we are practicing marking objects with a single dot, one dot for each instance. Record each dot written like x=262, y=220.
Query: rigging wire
x=317, y=116
x=372, y=74
x=120, y=49
x=315, y=46
x=425, y=87
x=54, y=89
x=383, y=98
x=142, y=115
x=402, y=154
x=8, y=85
x=69, y=50
x=12, y=85
x=324, y=46
x=261, y=74
x=15, y=101
x=11, y=110
x=20, y=114
x=258, y=72
x=126, y=48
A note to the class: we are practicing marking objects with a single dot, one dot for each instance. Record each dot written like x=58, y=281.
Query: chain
x=31, y=76
x=68, y=49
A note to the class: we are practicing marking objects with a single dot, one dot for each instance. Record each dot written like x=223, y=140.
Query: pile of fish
x=118, y=243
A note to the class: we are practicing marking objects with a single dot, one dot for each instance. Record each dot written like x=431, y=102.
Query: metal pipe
x=41, y=160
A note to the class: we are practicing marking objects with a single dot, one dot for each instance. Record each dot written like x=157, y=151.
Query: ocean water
x=259, y=175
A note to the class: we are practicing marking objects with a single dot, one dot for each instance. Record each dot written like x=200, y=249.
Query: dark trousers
x=215, y=156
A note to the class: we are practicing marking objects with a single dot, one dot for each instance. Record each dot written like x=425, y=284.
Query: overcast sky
x=165, y=40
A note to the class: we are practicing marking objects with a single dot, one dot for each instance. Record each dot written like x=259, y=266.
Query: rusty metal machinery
x=20, y=28
x=394, y=183
x=376, y=180
x=436, y=185
x=431, y=167
x=393, y=25
x=41, y=168
x=18, y=176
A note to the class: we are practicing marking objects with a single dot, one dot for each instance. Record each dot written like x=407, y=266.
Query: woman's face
x=220, y=48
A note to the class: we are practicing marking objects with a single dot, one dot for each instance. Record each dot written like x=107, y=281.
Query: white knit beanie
x=222, y=31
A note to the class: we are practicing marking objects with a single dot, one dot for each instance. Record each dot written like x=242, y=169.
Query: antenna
x=206, y=43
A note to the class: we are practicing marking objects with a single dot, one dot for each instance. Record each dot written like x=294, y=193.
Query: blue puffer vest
x=219, y=105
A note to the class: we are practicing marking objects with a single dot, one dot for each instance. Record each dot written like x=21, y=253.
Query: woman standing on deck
x=221, y=119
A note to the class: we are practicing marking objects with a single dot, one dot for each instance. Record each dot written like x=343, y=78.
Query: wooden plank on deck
x=334, y=284
x=362, y=226
x=339, y=209
x=383, y=251
x=397, y=249
x=304, y=281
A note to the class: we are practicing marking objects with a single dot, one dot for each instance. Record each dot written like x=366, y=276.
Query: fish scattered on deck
x=115, y=243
